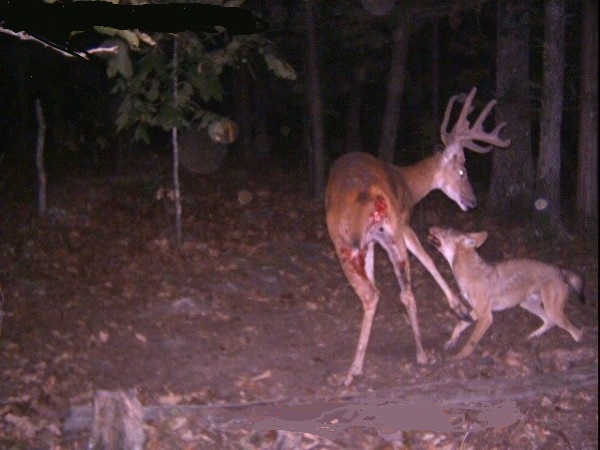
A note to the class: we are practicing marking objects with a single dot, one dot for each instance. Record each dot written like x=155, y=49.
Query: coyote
x=540, y=288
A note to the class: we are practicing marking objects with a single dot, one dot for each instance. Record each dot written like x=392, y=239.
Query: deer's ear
x=478, y=238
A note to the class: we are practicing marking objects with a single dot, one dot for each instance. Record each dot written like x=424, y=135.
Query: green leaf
x=108, y=31
x=184, y=94
x=121, y=122
x=280, y=67
x=120, y=63
x=146, y=79
x=215, y=88
x=141, y=134
x=153, y=93
x=232, y=3
x=130, y=37
x=209, y=88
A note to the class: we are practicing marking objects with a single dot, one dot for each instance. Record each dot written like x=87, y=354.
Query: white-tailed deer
x=540, y=288
x=368, y=201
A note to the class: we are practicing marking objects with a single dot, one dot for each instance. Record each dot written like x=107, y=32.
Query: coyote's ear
x=475, y=240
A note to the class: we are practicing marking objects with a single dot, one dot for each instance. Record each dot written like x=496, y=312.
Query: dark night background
x=80, y=110
x=249, y=308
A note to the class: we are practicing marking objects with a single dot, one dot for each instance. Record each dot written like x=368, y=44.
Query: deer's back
x=356, y=179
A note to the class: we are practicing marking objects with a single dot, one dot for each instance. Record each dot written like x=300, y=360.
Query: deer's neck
x=420, y=177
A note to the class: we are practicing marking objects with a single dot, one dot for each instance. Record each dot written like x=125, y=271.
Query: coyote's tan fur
x=540, y=288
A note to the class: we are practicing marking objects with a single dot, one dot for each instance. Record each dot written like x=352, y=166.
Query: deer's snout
x=468, y=200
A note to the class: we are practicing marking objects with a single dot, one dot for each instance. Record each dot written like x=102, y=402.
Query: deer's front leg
x=415, y=247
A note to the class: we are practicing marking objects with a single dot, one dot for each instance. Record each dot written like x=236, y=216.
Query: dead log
x=450, y=392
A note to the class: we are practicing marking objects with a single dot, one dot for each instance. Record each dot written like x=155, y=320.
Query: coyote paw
x=450, y=344
x=461, y=311
x=462, y=354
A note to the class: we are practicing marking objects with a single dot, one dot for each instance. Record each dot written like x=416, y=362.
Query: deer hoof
x=423, y=359
x=350, y=378
x=348, y=381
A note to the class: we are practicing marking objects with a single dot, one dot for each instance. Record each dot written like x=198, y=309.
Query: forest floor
x=252, y=316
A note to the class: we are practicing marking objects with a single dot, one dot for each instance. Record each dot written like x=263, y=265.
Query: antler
x=463, y=134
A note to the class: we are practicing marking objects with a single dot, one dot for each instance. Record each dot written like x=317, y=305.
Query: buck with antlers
x=368, y=201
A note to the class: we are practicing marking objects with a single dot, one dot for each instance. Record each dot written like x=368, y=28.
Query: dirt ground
x=254, y=311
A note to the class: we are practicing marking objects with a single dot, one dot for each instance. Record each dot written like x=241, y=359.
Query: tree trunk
x=587, y=178
x=315, y=108
x=395, y=88
x=19, y=125
x=435, y=84
x=262, y=138
x=548, y=167
x=353, y=116
x=175, y=144
x=512, y=170
x=39, y=158
x=243, y=114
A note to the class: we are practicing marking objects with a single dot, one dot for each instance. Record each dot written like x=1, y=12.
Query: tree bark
x=315, y=107
x=39, y=158
x=262, y=138
x=548, y=166
x=435, y=83
x=395, y=87
x=353, y=115
x=512, y=169
x=175, y=144
x=587, y=177
x=243, y=106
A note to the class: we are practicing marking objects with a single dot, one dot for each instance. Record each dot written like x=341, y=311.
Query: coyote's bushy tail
x=576, y=282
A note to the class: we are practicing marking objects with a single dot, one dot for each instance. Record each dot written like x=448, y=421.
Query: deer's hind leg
x=357, y=265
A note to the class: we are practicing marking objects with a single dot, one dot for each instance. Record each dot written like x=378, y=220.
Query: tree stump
x=118, y=421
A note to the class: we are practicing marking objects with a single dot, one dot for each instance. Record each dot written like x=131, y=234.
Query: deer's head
x=452, y=177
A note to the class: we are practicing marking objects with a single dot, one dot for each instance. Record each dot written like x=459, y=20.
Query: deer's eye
x=462, y=172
